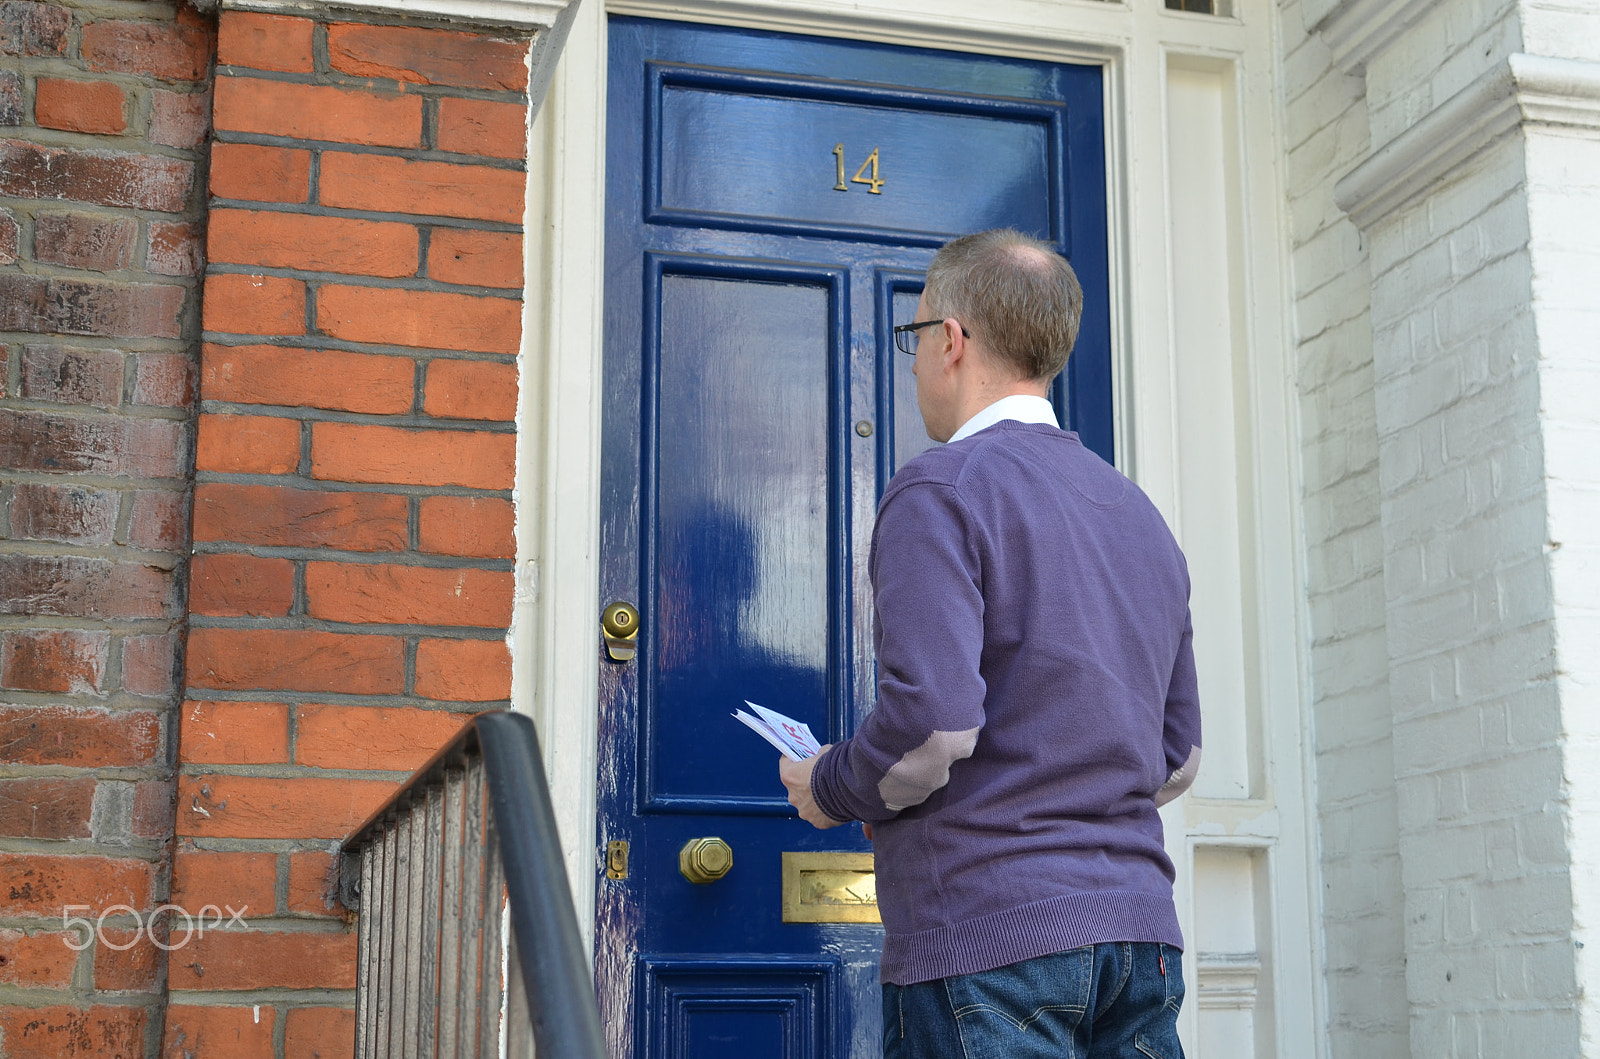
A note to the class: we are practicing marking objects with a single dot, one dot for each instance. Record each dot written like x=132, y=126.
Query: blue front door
x=771, y=203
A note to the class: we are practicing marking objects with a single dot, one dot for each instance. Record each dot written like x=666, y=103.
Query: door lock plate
x=616, y=860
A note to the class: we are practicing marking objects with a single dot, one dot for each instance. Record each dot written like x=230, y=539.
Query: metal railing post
x=469, y=838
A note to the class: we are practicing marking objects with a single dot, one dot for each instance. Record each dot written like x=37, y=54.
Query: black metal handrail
x=470, y=833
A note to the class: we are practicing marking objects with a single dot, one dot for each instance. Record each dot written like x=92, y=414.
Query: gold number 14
x=874, y=182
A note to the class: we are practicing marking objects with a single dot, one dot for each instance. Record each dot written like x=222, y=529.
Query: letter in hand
x=796, y=776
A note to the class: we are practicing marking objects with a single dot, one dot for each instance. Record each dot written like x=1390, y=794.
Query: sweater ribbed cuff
x=824, y=778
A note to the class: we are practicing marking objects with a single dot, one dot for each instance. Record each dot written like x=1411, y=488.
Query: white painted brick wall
x=1564, y=182
x=1470, y=636
x=1564, y=29
x=1449, y=393
x=1495, y=751
x=1444, y=52
x=1449, y=381
x=1325, y=126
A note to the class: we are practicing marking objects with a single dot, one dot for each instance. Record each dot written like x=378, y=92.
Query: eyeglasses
x=905, y=336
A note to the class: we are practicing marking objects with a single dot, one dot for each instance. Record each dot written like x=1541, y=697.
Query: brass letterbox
x=829, y=888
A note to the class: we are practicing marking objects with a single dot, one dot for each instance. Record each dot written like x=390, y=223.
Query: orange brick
x=175, y=249
x=255, y=305
x=317, y=112
x=42, y=960
x=429, y=319
x=482, y=127
x=428, y=56
x=314, y=882
x=319, y=1033
x=443, y=189
x=480, y=526
x=316, y=244
x=152, y=799
x=259, y=960
x=48, y=807
x=173, y=51
x=371, y=737
x=264, y=42
x=260, y=174
x=214, y=806
x=244, y=882
x=57, y=660
x=349, y=382
x=44, y=884
x=128, y=960
x=481, y=259
x=180, y=119
x=299, y=518
x=79, y=106
x=294, y=660
x=72, y=1032
x=408, y=595
x=226, y=1033
x=155, y=801
x=351, y=452
x=464, y=670
x=247, y=444
x=82, y=738
x=234, y=733
x=240, y=586
x=471, y=389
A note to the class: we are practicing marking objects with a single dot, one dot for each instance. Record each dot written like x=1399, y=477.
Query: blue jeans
x=1117, y=1000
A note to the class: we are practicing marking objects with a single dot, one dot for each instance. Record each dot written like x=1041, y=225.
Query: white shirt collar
x=1023, y=407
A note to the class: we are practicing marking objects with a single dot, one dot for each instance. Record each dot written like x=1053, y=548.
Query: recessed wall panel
x=1232, y=955
x=1206, y=290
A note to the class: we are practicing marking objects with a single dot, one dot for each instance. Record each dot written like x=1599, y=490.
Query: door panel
x=1001, y=174
x=741, y=515
x=755, y=409
x=896, y=293
x=730, y=1009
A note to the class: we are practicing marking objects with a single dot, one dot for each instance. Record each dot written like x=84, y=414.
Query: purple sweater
x=1036, y=702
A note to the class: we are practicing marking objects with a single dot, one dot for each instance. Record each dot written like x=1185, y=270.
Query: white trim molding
x=1021, y=28
x=546, y=21
x=1356, y=30
x=1228, y=981
x=1525, y=90
x=531, y=15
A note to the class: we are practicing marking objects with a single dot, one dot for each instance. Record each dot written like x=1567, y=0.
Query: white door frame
x=1139, y=43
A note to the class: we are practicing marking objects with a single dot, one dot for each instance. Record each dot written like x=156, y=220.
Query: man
x=1036, y=700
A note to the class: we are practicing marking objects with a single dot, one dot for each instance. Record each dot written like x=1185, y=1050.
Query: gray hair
x=1014, y=293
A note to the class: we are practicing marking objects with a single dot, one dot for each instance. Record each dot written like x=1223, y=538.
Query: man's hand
x=796, y=776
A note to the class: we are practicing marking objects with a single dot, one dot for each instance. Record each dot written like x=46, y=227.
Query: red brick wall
x=103, y=113
x=349, y=461
x=352, y=575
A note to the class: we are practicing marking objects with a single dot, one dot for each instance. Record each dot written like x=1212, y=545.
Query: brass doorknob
x=620, y=624
x=704, y=860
